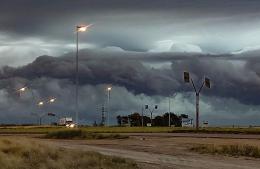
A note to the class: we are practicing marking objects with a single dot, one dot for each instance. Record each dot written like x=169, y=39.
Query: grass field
x=231, y=150
x=44, y=130
x=27, y=154
x=81, y=134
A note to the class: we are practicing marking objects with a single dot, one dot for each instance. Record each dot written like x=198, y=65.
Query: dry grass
x=80, y=134
x=26, y=154
x=231, y=150
x=46, y=129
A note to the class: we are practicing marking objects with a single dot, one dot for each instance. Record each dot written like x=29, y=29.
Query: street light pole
x=197, y=110
x=151, y=111
x=77, y=76
x=169, y=111
x=142, y=116
x=24, y=89
x=206, y=83
x=40, y=104
x=108, y=104
x=79, y=28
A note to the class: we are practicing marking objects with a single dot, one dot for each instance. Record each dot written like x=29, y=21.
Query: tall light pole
x=169, y=122
x=79, y=28
x=170, y=111
x=151, y=111
x=206, y=82
x=108, y=102
x=41, y=104
x=23, y=90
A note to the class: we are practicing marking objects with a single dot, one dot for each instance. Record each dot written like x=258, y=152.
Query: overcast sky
x=141, y=48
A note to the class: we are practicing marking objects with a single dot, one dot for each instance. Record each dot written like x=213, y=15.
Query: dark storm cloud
x=127, y=39
x=238, y=79
x=132, y=25
x=129, y=73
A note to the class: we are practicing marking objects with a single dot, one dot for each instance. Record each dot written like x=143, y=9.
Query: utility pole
x=206, y=82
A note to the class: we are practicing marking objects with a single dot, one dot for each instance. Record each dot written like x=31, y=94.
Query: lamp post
x=169, y=111
x=206, y=82
x=108, y=103
x=79, y=28
x=169, y=122
x=23, y=90
x=151, y=111
x=41, y=104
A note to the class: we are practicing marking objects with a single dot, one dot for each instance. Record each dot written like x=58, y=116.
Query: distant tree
x=124, y=120
x=146, y=120
x=135, y=119
x=159, y=121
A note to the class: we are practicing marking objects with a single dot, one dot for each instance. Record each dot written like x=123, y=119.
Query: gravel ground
x=167, y=152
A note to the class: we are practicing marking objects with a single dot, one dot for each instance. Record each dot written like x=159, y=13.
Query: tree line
x=135, y=119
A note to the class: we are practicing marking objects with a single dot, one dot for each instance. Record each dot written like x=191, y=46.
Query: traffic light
x=207, y=82
x=156, y=106
x=146, y=106
x=186, y=77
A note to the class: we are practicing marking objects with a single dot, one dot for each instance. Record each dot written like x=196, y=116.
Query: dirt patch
x=167, y=152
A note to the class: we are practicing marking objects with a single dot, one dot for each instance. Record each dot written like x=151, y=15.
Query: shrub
x=80, y=134
x=232, y=150
x=26, y=154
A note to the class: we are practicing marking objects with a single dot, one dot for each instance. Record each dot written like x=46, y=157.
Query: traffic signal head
x=156, y=106
x=146, y=106
x=207, y=82
x=186, y=77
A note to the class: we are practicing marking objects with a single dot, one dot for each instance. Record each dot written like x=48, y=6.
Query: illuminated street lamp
x=79, y=28
x=206, y=83
x=40, y=103
x=22, y=89
x=109, y=89
x=52, y=100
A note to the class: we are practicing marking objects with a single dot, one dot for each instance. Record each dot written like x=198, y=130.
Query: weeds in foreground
x=232, y=150
x=80, y=134
x=26, y=154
